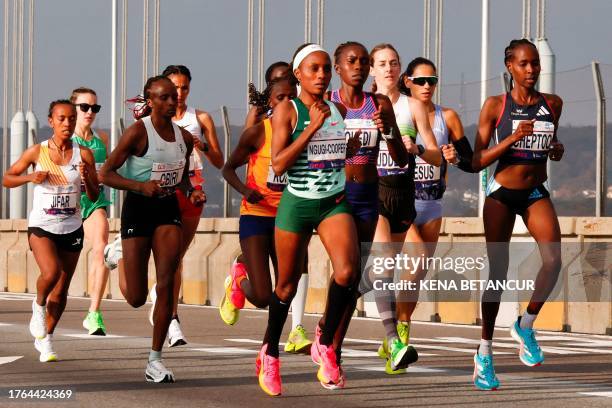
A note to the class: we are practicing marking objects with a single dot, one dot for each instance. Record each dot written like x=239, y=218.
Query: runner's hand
x=450, y=154
x=197, y=197
x=38, y=177
x=252, y=196
x=412, y=147
x=353, y=145
x=151, y=188
x=556, y=151
x=319, y=111
x=381, y=120
x=525, y=128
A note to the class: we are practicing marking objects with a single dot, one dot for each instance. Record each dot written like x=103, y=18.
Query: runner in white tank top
x=206, y=144
x=154, y=151
x=55, y=232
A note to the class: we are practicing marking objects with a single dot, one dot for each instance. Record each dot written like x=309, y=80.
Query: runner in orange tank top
x=261, y=193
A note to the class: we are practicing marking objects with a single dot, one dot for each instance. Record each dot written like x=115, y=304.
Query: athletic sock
x=154, y=355
x=527, y=320
x=277, y=315
x=486, y=347
x=337, y=298
x=385, y=303
x=299, y=302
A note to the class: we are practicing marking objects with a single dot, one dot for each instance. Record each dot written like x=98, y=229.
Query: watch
x=421, y=150
x=390, y=136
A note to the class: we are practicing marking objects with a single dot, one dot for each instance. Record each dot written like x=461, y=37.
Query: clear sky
x=73, y=44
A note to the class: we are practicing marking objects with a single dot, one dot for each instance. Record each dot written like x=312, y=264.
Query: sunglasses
x=85, y=107
x=421, y=81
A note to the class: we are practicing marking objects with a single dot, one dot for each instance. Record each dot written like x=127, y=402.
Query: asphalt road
x=216, y=368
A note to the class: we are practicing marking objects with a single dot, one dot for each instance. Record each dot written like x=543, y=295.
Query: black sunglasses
x=420, y=81
x=84, y=107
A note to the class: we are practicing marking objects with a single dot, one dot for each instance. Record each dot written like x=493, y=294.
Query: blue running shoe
x=484, y=373
x=530, y=352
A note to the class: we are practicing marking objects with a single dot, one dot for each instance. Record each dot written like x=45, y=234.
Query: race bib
x=168, y=174
x=369, y=131
x=327, y=150
x=535, y=146
x=274, y=182
x=386, y=165
x=60, y=200
x=425, y=171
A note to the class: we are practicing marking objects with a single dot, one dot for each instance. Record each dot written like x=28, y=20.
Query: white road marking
x=90, y=337
x=428, y=346
x=9, y=359
x=607, y=394
x=411, y=369
x=225, y=350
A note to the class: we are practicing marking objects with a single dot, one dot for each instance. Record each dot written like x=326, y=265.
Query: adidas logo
x=542, y=112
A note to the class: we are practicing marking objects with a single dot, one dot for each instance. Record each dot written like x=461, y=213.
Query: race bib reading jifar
x=60, y=200
x=327, y=149
x=168, y=174
x=535, y=146
x=274, y=182
x=369, y=131
x=424, y=171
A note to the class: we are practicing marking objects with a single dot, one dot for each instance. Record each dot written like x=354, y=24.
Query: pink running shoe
x=268, y=372
x=237, y=295
x=329, y=372
x=314, y=349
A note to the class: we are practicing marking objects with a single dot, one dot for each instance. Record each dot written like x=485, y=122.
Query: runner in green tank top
x=95, y=221
x=308, y=143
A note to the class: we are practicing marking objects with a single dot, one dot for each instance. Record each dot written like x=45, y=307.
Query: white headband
x=304, y=52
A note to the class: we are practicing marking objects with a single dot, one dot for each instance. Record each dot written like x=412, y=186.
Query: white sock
x=486, y=347
x=299, y=301
x=527, y=320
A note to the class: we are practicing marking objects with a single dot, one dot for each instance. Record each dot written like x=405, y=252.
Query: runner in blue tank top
x=524, y=123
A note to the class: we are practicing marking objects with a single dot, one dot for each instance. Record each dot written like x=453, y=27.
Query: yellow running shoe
x=403, y=332
x=297, y=341
x=229, y=313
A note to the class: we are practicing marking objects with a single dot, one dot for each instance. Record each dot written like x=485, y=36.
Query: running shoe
x=153, y=297
x=94, y=324
x=38, y=322
x=314, y=350
x=530, y=352
x=227, y=310
x=175, y=334
x=484, y=373
x=237, y=297
x=297, y=341
x=158, y=373
x=45, y=348
x=403, y=332
x=400, y=355
x=113, y=252
x=268, y=372
x=329, y=371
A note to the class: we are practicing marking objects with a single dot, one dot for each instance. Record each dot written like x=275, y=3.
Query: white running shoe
x=45, y=348
x=113, y=252
x=153, y=296
x=38, y=322
x=158, y=373
x=175, y=334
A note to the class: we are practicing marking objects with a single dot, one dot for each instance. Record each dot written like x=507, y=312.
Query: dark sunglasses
x=84, y=107
x=420, y=81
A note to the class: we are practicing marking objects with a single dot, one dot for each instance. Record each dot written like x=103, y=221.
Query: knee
x=552, y=262
x=261, y=300
x=345, y=275
x=286, y=292
x=136, y=300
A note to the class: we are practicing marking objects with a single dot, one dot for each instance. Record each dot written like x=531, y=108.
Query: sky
x=72, y=46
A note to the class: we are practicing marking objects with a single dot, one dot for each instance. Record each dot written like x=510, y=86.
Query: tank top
x=190, y=123
x=261, y=177
x=98, y=148
x=163, y=161
x=361, y=118
x=56, y=200
x=403, y=116
x=319, y=170
x=531, y=149
x=429, y=180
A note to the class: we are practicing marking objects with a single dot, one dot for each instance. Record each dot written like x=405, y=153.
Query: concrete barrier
x=208, y=260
